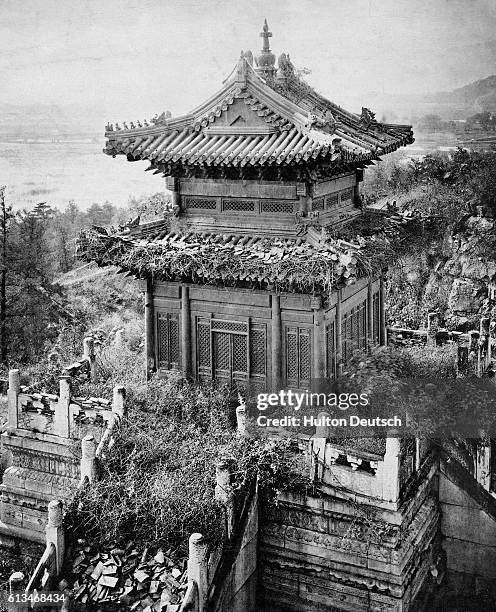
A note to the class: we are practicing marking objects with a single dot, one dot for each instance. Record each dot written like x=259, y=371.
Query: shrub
x=157, y=484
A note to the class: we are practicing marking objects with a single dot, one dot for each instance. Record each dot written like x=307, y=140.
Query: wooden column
x=149, y=329
x=370, y=314
x=382, y=314
x=185, y=332
x=339, y=342
x=319, y=361
x=277, y=356
x=172, y=184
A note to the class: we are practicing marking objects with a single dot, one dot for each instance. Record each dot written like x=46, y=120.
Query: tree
x=6, y=216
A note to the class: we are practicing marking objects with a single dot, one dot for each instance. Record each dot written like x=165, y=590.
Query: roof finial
x=266, y=60
x=265, y=34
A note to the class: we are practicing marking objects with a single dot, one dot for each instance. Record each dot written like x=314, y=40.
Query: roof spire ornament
x=265, y=34
x=266, y=60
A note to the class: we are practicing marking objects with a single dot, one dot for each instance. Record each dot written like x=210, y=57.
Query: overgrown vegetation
x=157, y=484
x=37, y=249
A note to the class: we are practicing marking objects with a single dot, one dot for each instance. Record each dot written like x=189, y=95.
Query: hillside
x=458, y=103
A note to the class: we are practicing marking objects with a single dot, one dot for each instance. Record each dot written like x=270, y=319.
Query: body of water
x=56, y=172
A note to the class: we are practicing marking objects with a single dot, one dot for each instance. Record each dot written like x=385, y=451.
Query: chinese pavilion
x=263, y=280
x=251, y=286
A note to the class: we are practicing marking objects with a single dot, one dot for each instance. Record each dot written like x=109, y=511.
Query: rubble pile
x=126, y=579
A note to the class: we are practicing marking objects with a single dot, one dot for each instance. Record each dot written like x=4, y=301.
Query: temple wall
x=265, y=207
x=275, y=338
x=239, y=586
x=468, y=529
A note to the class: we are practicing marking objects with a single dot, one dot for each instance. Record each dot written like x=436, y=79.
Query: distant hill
x=459, y=103
x=474, y=98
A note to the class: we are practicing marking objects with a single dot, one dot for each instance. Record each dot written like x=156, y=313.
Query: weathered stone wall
x=344, y=551
x=468, y=524
x=239, y=586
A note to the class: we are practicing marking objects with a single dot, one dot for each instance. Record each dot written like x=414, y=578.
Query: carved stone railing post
x=197, y=568
x=388, y=470
x=62, y=412
x=224, y=493
x=119, y=338
x=12, y=397
x=88, y=461
x=89, y=354
x=483, y=464
x=118, y=406
x=241, y=419
x=55, y=532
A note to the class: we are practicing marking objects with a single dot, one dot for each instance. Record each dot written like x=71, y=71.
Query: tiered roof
x=288, y=124
x=314, y=264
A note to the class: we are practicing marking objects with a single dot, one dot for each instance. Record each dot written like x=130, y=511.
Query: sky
x=129, y=59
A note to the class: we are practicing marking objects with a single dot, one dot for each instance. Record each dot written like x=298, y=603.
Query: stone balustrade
x=49, y=566
x=40, y=436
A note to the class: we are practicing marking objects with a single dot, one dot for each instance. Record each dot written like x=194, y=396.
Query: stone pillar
x=339, y=335
x=118, y=406
x=224, y=493
x=483, y=465
x=241, y=419
x=12, y=395
x=62, y=410
x=277, y=356
x=89, y=354
x=197, y=568
x=370, y=314
x=484, y=344
x=382, y=314
x=149, y=329
x=55, y=532
x=119, y=338
x=186, y=332
x=88, y=463
x=389, y=470
x=319, y=347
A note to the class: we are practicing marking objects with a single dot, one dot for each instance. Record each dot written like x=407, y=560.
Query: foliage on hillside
x=39, y=252
x=448, y=185
x=423, y=276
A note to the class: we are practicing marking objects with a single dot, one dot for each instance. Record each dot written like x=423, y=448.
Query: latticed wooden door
x=168, y=352
x=231, y=352
x=298, y=349
x=230, y=356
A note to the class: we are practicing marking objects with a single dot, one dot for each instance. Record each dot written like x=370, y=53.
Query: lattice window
x=376, y=317
x=239, y=205
x=354, y=329
x=258, y=351
x=331, y=350
x=276, y=206
x=168, y=340
x=229, y=326
x=239, y=353
x=203, y=352
x=318, y=204
x=331, y=200
x=222, y=351
x=305, y=356
x=298, y=356
x=346, y=195
x=202, y=203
